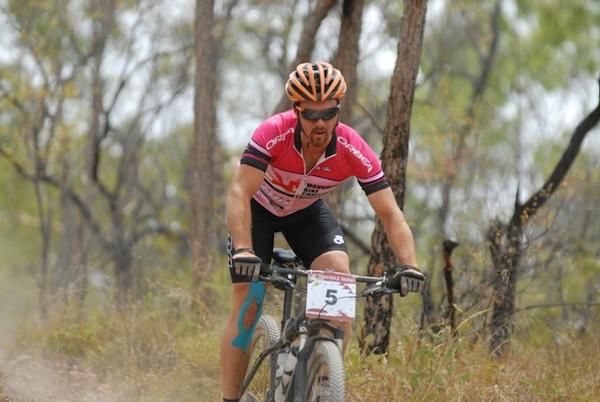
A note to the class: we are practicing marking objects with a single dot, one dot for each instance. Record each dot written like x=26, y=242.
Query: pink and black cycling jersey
x=276, y=149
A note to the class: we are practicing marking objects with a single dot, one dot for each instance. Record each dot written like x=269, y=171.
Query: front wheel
x=266, y=334
x=325, y=374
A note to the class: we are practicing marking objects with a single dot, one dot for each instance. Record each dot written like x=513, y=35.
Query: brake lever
x=280, y=280
x=377, y=291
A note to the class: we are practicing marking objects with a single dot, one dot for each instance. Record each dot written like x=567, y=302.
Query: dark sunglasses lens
x=314, y=115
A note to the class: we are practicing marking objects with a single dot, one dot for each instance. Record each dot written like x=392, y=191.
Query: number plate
x=331, y=295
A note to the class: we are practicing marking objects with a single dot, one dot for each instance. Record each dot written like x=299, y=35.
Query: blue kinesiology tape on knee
x=256, y=294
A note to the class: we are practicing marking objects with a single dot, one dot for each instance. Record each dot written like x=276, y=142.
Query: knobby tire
x=325, y=374
x=265, y=335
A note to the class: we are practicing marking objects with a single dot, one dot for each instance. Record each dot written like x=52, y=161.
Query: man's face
x=318, y=119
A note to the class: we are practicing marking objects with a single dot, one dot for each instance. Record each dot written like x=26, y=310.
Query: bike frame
x=299, y=326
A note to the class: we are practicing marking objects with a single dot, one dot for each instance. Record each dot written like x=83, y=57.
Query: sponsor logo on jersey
x=281, y=137
x=288, y=185
x=363, y=159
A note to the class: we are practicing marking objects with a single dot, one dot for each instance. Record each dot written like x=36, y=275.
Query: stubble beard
x=318, y=140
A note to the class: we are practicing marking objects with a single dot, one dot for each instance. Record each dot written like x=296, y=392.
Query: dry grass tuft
x=165, y=353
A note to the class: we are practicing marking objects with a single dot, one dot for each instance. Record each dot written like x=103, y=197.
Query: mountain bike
x=303, y=353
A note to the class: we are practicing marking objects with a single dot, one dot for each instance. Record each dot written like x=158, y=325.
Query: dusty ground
x=25, y=378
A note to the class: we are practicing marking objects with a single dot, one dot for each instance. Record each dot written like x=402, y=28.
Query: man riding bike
x=291, y=161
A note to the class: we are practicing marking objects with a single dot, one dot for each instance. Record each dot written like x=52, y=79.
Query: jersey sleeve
x=368, y=168
x=256, y=153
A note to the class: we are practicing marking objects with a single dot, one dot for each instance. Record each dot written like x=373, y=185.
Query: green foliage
x=43, y=28
x=558, y=43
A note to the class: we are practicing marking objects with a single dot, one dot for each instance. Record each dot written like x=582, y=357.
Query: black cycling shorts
x=309, y=232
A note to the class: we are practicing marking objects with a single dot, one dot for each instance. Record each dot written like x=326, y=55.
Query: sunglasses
x=314, y=115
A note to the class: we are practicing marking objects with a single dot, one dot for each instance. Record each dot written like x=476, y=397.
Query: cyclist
x=291, y=161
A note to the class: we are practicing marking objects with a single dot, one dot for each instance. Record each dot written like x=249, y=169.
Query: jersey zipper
x=304, y=181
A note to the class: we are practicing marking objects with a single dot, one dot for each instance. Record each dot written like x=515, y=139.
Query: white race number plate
x=331, y=295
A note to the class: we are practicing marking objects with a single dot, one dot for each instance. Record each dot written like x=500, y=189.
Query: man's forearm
x=239, y=219
x=401, y=241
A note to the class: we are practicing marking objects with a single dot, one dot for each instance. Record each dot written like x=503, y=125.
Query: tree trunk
x=44, y=215
x=505, y=249
x=124, y=274
x=204, y=151
x=63, y=271
x=306, y=44
x=348, y=51
x=346, y=61
x=431, y=314
x=80, y=284
x=449, y=246
x=505, y=241
x=378, y=311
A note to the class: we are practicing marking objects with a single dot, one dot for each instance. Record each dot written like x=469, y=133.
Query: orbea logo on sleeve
x=365, y=161
x=281, y=137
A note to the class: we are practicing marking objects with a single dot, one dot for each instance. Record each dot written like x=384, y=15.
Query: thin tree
x=206, y=177
x=479, y=84
x=306, y=44
x=346, y=60
x=378, y=310
x=110, y=198
x=505, y=240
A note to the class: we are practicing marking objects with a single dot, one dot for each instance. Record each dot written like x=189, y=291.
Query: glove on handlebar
x=248, y=266
x=407, y=279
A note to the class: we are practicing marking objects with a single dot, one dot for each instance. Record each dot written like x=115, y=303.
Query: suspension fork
x=298, y=380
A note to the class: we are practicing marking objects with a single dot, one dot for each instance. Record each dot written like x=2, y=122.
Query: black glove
x=248, y=265
x=407, y=279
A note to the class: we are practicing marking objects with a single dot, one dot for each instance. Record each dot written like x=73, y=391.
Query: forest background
x=121, y=123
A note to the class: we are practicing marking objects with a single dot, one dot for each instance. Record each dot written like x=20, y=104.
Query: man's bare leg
x=247, y=302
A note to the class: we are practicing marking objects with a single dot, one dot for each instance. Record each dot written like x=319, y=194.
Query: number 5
x=331, y=296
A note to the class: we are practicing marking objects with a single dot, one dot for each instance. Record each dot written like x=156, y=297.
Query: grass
x=157, y=350
x=150, y=354
x=461, y=371
x=160, y=356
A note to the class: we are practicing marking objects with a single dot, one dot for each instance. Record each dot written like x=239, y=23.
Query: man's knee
x=334, y=259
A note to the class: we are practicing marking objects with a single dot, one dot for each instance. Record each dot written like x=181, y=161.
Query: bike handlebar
x=276, y=274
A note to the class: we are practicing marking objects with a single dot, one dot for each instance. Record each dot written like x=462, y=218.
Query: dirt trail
x=25, y=378
x=29, y=375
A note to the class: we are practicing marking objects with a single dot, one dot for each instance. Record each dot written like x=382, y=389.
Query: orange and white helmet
x=317, y=81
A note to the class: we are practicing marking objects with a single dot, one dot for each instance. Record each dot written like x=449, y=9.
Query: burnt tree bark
x=505, y=240
x=378, y=310
x=448, y=247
